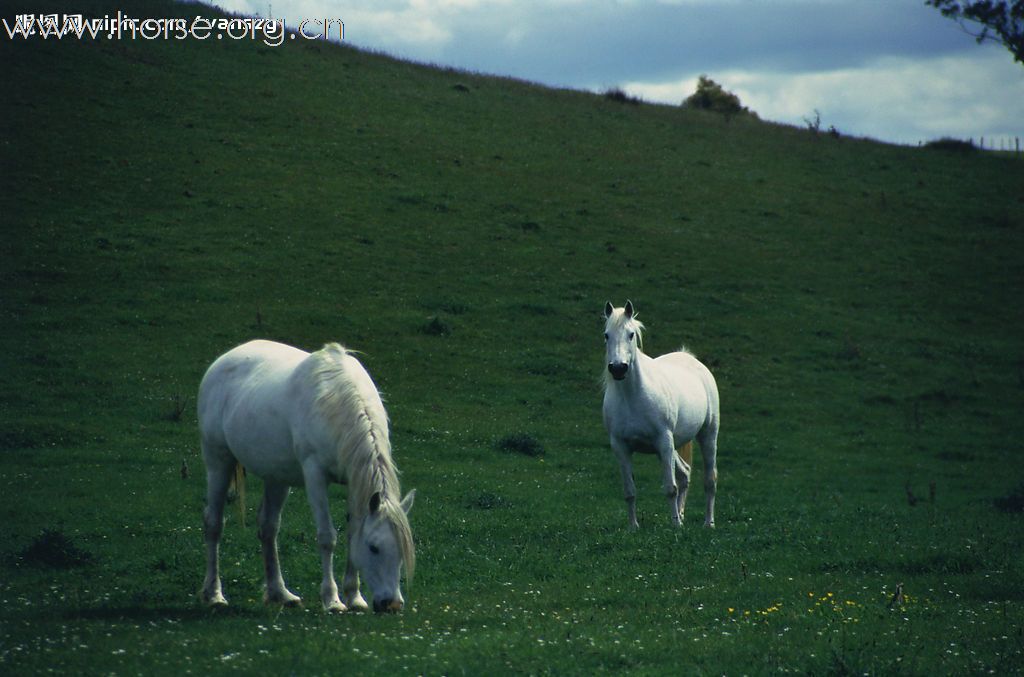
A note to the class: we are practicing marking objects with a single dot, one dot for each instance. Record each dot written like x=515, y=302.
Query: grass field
x=859, y=303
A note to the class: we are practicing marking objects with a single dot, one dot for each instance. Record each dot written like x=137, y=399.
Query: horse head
x=378, y=546
x=622, y=338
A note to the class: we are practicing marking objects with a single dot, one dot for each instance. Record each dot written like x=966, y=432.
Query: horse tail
x=686, y=453
x=238, y=483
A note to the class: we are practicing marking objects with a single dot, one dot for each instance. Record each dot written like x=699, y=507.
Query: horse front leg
x=351, y=596
x=628, y=485
x=326, y=536
x=274, y=496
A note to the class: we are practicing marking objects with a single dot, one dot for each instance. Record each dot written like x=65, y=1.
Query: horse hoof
x=214, y=600
x=358, y=604
x=286, y=599
x=335, y=607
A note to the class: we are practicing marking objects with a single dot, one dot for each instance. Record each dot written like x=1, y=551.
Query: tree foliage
x=711, y=96
x=1001, y=22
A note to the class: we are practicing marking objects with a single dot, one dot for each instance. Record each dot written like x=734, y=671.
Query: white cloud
x=899, y=99
x=414, y=30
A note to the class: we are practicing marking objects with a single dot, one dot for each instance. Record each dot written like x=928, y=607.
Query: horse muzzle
x=387, y=605
x=618, y=370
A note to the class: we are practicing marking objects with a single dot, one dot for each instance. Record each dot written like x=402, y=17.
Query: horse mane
x=360, y=427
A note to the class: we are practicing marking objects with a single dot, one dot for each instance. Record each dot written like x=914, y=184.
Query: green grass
x=859, y=304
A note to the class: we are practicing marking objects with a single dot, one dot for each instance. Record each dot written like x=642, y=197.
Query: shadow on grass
x=182, y=613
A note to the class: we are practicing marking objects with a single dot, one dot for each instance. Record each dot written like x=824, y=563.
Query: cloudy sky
x=894, y=70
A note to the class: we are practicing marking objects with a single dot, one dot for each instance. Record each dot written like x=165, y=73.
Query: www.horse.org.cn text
x=121, y=26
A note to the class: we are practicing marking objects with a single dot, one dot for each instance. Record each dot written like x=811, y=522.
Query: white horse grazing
x=300, y=419
x=658, y=405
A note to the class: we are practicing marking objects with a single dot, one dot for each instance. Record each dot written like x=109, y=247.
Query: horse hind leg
x=684, y=462
x=220, y=467
x=274, y=496
x=709, y=450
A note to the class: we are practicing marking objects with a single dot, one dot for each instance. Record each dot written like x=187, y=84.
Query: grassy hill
x=859, y=304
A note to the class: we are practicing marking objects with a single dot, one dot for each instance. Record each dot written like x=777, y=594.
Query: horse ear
x=629, y=309
x=608, y=309
x=407, y=501
x=375, y=503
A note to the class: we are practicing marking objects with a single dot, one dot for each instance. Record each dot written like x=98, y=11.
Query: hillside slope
x=155, y=186
x=859, y=303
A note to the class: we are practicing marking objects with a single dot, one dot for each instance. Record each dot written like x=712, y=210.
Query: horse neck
x=642, y=370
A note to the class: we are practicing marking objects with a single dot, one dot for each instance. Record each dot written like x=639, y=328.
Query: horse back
x=687, y=363
x=243, y=401
x=242, y=374
x=694, y=387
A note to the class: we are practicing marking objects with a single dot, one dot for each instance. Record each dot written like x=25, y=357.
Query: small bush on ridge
x=954, y=145
x=619, y=95
x=712, y=97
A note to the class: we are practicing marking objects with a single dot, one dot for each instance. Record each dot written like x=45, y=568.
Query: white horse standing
x=300, y=419
x=658, y=405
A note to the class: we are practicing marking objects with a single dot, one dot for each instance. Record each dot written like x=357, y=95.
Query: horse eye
x=632, y=335
x=606, y=336
x=375, y=550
